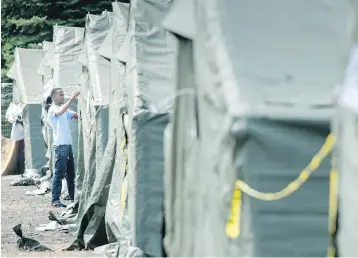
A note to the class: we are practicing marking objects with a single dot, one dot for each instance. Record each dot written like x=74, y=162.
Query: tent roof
x=105, y=49
x=29, y=81
x=49, y=54
x=175, y=23
x=120, y=25
x=82, y=57
x=122, y=54
x=97, y=27
x=40, y=68
x=120, y=22
x=12, y=71
x=261, y=74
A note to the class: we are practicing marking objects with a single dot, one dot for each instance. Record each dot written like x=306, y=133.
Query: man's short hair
x=54, y=90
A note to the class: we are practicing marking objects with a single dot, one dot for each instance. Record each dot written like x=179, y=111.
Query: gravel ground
x=31, y=212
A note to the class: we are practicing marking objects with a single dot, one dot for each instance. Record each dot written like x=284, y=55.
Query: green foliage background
x=25, y=24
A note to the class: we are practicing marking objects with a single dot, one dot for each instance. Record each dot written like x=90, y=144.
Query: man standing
x=59, y=114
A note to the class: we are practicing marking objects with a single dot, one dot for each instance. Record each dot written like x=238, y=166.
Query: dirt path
x=31, y=212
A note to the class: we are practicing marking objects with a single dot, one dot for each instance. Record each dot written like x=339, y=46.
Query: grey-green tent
x=68, y=43
x=150, y=87
x=96, y=150
x=46, y=71
x=260, y=114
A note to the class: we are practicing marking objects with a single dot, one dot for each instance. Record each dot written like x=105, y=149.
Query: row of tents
x=193, y=115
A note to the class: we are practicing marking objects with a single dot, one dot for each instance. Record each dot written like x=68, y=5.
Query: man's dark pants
x=64, y=167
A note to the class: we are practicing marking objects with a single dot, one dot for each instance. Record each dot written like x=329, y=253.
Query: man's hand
x=75, y=95
x=75, y=116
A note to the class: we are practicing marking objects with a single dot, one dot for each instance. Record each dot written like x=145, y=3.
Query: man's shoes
x=58, y=204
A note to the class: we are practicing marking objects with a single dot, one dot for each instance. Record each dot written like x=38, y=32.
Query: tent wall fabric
x=150, y=69
x=47, y=79
x=34, y=141
x=48, y=138
x=181, y=142
x=113, y=42
x=98, y=66
x=345, y=128
x=120, y=28
x=181, y=152
x=48, y=59
x=86, y=153
x=84, y=135
x=255, y=125
x=116, y=218
x=68, y=43
x=101, y=149
x=29, y=84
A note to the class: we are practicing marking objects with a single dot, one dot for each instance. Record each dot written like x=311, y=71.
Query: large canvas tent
x=46, y=71
x=150, y=85
x=29, y=85
x=247, y=118
x=68, y=43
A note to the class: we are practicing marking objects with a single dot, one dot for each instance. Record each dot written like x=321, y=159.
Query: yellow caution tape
x=123, y=144
x=233, y=224
x=295, y=184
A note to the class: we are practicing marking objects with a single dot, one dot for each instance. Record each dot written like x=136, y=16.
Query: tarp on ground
x=150, y=84
x=262, y=122
x=29, y=84
x=99, y=150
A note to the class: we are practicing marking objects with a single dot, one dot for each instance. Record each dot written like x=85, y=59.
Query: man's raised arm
x=66, y=106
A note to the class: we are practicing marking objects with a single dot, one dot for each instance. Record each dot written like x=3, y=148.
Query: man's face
x=59, y=97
